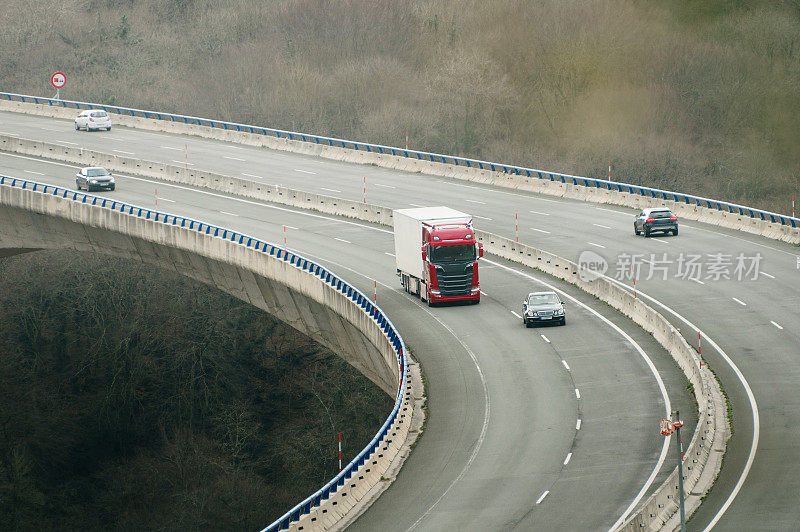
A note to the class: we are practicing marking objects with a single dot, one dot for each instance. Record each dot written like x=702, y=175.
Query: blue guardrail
x=733, y=208
x=322, y=273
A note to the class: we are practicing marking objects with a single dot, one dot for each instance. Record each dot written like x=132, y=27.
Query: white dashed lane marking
x=540, y=213
x=233, y=158
x=228, y=213
x=304, y=171
x=765, y=274
x=515, y=314
x=342, y=240
x=541, y=498
x=742, y=303
x=603, y=226
x=566, y=460
x=776, y=325
x=539, y=230
x=545, y=338
x=597, y=245
x=565, y=364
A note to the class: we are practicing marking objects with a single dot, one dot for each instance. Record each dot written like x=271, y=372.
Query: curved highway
x=502, y=447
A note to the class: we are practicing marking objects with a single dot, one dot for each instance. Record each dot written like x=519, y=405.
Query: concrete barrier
x=712, y=429
x=703, y=457
x=488, y=177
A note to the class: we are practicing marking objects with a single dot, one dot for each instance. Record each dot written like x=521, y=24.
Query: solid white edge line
x=541, y=498
x=750, y=397
x=487, y=402
x=776, y=325
x=566, y=460
x=662, y=388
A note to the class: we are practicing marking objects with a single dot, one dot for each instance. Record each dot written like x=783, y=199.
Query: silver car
x=543, y=307
x=93, y=119
x=93, y=177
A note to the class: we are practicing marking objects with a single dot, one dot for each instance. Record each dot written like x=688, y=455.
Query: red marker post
x=340, y=452
x=516, y=226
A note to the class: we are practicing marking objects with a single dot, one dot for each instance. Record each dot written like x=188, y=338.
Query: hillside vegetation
x=135, y=399
x=702, y=96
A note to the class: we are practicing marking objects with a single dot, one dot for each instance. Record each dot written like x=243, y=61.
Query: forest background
x=697, y=96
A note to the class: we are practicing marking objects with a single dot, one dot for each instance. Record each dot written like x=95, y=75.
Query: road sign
x=58, y=80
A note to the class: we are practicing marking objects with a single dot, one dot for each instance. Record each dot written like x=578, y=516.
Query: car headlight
x=559, y=312
x=530, y=313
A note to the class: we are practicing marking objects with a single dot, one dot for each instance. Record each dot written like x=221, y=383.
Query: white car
x=93, y=119
x=94, y=177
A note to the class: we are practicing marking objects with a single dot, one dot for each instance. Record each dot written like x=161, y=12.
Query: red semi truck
x=437, y=254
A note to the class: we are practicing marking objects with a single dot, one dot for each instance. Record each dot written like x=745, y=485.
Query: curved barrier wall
x=256, y=271
x=730, y=215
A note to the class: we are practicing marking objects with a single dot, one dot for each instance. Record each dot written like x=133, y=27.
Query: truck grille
x=455, y=283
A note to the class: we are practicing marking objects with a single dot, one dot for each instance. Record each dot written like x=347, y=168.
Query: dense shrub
x=133, y=398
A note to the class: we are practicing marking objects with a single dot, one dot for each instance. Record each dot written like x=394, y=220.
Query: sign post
x=668, y=427
x=58, y=80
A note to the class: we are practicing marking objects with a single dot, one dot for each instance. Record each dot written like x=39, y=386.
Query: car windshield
x=96, y=172
x=100, y=114
x=543, y=299
x=660, y=214
x=457, y=253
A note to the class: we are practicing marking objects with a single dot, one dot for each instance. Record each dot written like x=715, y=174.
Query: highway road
x=501, y=447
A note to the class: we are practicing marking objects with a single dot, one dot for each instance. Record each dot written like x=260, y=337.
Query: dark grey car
x=653, y=220
x=543, y=307
x=94, y=177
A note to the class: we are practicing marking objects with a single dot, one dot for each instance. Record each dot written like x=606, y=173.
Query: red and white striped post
x=365, y=189
x=516, y=226
x=406, y=139
x=375, y=291
x=699, y=350
x=609, y=170
x=284, y=237
x=156, y=195
x=340, y=451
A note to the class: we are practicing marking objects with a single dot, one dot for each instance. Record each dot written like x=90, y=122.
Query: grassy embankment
x=701, y=96
x=132, y=398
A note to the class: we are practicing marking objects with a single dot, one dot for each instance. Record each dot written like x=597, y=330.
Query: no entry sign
x=58, y=80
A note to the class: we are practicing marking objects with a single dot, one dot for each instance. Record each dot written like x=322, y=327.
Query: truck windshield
x=459, y=253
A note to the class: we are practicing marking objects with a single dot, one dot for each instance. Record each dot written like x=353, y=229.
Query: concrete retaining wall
x=528, y=184
x=39, y=219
